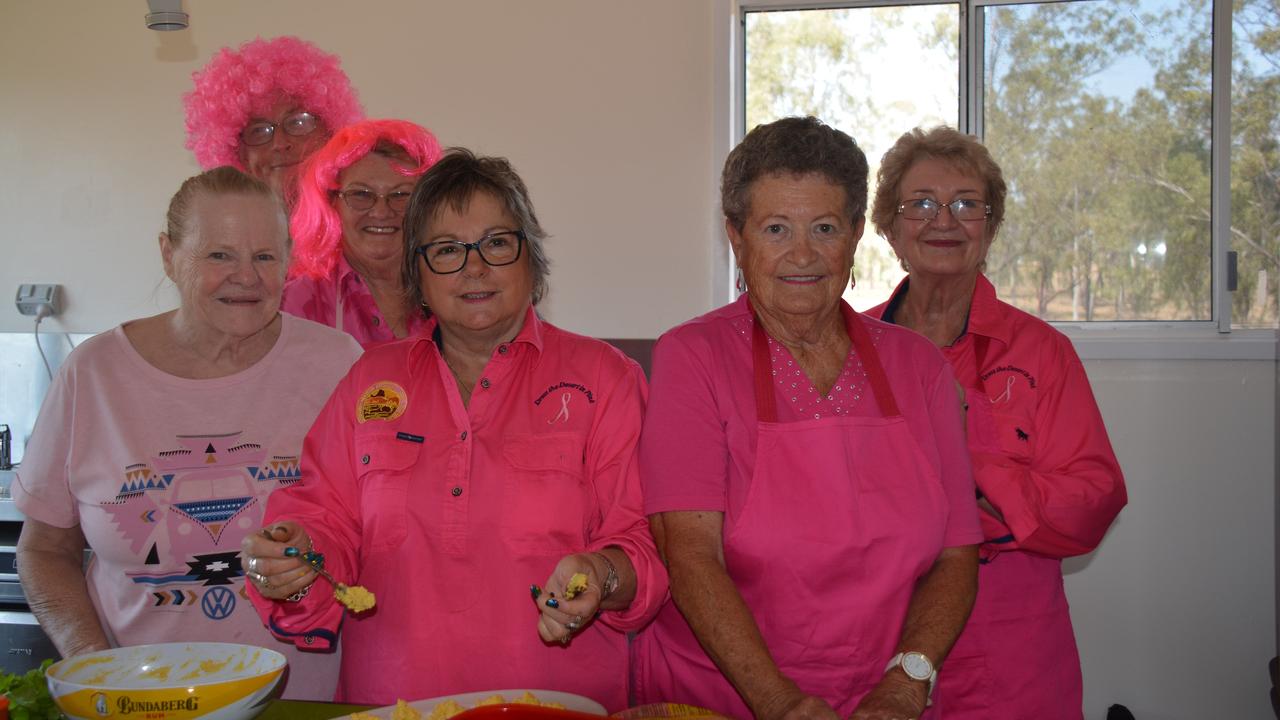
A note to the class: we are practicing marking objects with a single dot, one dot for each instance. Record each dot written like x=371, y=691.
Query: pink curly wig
x=238, y=85
x=315, y=225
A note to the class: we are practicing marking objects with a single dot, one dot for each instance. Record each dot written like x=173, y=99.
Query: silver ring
x=571, y=625
x=253, y=564
x=260, y=579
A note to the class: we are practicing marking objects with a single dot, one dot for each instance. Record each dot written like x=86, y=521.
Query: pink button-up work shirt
x=448, y=513
x=319, y=300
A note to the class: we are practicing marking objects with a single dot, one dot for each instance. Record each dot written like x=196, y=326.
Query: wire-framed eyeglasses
x=260, y=132
x=360, y=199
x=966, y=209
x=495, y=249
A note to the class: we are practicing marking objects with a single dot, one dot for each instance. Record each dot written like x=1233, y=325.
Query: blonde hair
x=964, y=152
x=224, y=180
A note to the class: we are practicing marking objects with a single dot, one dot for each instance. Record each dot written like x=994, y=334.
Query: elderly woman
x=451, y=471
x=160, y=441
x=348, y=230
x=1048, y=482
x=804, y=467
x=265, y=107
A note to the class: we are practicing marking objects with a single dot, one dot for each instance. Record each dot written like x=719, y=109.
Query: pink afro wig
x=315, y=225
x=238, y=85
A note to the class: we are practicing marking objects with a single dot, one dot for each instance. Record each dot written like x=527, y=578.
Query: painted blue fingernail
x=291, y=552
x=553, y=603
x=535, y=591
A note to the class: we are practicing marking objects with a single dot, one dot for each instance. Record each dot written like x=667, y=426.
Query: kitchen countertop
x=300, y=710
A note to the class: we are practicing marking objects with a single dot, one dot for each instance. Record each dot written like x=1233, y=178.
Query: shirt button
x=377, y=321
x=364, y=460
x=308, y=639
x=464, y=435
x=502, y=349
x=484, y=383
x=456, y=491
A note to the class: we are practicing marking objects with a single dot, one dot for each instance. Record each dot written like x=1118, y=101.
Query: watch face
x=917, y=665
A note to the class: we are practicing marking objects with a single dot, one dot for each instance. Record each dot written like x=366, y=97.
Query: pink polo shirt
x=448, y=513
x=317, y=299
x=699, y=445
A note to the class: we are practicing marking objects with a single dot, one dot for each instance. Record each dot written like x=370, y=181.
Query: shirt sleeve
x=683, y=448
x=1060, y=502
x=42, y=489
x=618, y=520
x=327, y=504
x=947, y=417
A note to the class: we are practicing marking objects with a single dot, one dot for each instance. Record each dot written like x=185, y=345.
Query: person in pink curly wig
x=267, y=105
x=347, y=229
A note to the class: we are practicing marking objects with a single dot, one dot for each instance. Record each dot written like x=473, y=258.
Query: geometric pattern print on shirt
x=184, y=512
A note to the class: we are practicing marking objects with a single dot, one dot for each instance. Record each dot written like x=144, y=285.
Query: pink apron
x=1017, y=656
x=843, y=515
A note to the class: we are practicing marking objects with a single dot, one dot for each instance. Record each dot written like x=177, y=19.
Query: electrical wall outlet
x=33, y=297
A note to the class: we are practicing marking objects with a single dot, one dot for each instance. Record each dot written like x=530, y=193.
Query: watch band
x=896, y=661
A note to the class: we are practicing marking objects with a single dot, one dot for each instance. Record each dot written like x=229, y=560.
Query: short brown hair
x=964, y=152
x=452, y=182
x=224, y=180
x=796, y=146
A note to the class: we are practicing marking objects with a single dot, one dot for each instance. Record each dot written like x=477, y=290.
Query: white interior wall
x=1175, y=613
x=603, y=107
x=613, y=113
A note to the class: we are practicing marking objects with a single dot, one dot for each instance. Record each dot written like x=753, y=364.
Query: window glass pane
x=1255, y=160
x=873, y=73
x=1099, y=114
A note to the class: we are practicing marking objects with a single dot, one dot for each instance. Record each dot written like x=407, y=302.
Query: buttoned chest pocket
x=546, y=493
x=1015, y=428
x=384, y=468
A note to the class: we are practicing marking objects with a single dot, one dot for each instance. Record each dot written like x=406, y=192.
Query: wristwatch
x=917, y=667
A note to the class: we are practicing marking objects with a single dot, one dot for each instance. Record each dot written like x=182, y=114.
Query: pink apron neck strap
x=766, y=403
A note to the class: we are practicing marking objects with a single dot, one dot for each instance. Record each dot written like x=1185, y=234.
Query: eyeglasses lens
x=449, y=256
x=301, y=124
x=361, y=200
x=961, y=209
x=296, y=125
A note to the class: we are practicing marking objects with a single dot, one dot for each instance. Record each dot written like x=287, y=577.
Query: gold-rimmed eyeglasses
x=966, y=209
x=360, y=199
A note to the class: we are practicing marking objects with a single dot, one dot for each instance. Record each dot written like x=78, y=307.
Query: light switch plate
x=32, y=297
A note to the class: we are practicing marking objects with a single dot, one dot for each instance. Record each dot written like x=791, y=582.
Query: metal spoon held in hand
x=353, y=597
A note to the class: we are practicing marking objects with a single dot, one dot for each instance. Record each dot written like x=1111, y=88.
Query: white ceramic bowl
x=168, y=681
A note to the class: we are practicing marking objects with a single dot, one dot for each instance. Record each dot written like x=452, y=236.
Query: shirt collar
x=984, y=316
x=532, y=333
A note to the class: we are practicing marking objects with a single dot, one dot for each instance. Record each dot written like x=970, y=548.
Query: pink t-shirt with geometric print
x=166, y=475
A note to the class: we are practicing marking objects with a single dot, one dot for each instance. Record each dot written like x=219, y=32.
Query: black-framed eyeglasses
x=360, y=199
x=495, y=249
x=967, y=209
x=261, y=131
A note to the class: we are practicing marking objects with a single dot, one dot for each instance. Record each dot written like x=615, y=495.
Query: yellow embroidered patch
x=383, y=400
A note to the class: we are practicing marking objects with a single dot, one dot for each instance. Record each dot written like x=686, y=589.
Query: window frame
x=1132, y=339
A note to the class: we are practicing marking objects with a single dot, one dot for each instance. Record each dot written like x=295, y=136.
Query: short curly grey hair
x=797, y=146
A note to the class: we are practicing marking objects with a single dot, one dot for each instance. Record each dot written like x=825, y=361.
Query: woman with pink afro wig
x=348, y=232
x=266, y=106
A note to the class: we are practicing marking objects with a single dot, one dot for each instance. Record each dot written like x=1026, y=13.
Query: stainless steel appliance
x=23, y=645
